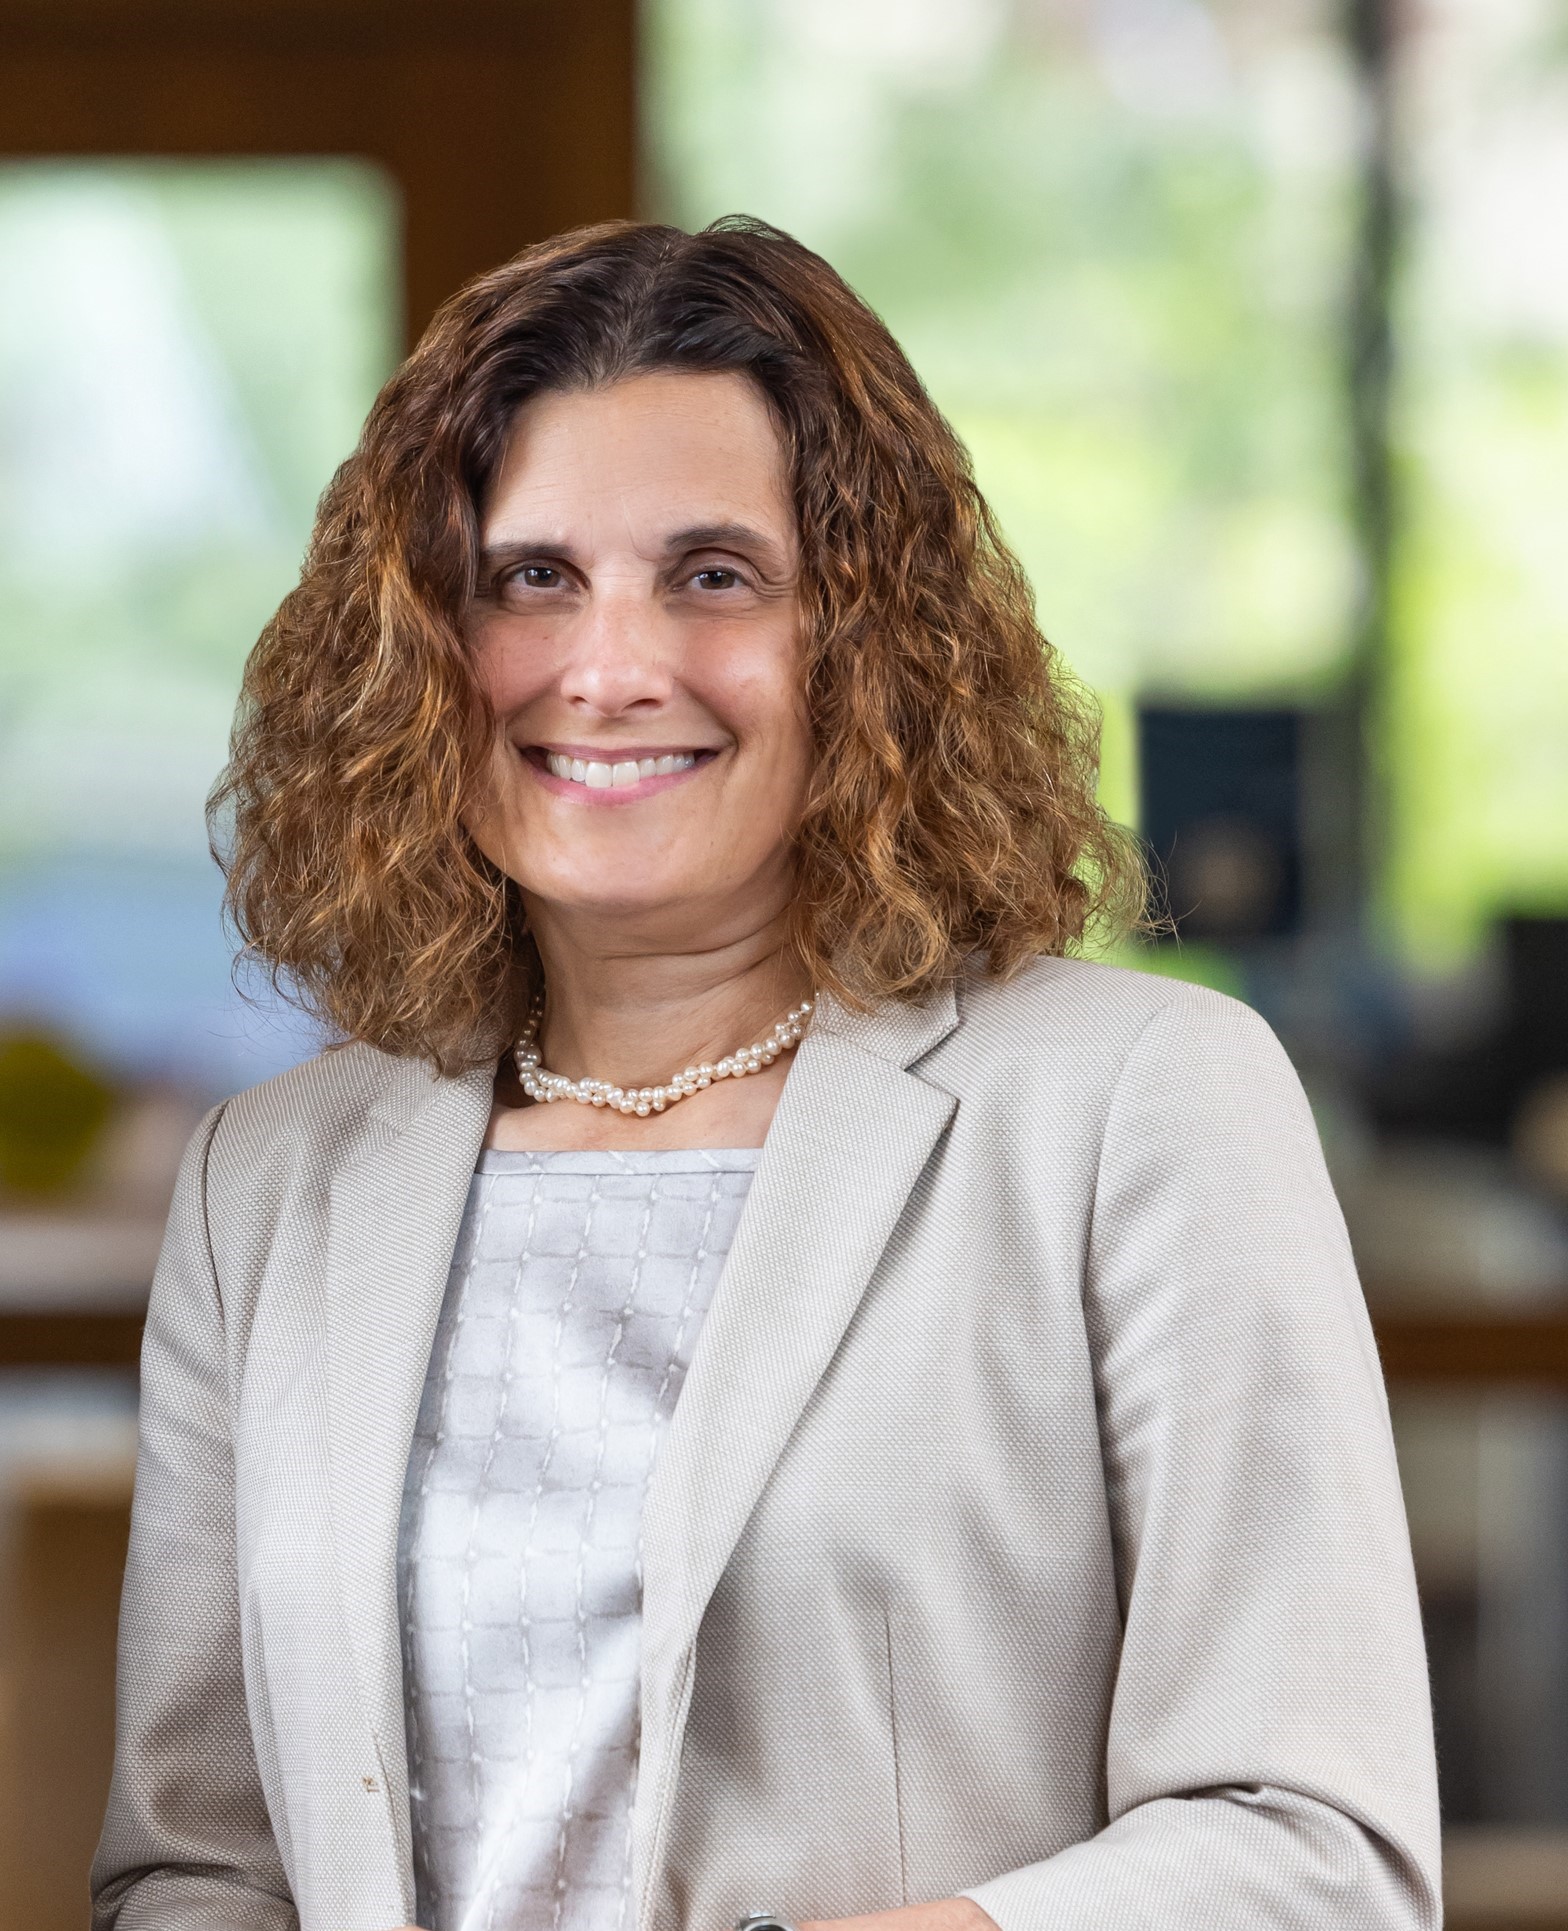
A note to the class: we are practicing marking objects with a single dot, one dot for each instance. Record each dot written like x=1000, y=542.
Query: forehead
x=671, y=444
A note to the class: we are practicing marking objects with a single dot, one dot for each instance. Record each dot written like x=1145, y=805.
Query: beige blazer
x=1028, y=1525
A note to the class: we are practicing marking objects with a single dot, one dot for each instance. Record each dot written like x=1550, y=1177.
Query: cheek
x=488, y=819
x=512, y=665
x=782, y=761
x=761, y=684
x=790, y=728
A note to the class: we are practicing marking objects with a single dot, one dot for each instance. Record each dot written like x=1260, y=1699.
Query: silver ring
x=763, y=1921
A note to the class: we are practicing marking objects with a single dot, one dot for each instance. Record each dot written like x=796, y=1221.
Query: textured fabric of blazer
x=1028, y=1526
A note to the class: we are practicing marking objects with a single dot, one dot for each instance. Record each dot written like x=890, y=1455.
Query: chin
x=631, y=899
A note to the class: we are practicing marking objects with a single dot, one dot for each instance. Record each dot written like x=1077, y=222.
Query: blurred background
x=1255, y=316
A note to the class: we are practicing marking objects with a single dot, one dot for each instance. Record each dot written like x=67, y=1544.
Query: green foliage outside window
x=1115, y=238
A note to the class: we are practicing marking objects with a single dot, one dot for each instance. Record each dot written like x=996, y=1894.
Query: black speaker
x=1221, y=794
x=1535, y=952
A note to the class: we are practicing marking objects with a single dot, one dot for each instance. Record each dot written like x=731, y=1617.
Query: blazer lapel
x=396, y=1207
x=852, y=1133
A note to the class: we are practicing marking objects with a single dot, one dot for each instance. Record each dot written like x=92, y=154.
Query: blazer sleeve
x=1269, y=1758
x=187, y=1844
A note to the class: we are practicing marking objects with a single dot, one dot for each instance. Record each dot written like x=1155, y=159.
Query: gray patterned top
x=578, y=1286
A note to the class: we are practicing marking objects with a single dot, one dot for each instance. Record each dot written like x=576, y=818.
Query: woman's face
x=637, y=634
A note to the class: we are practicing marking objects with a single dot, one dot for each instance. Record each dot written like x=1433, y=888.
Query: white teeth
x=600, y=777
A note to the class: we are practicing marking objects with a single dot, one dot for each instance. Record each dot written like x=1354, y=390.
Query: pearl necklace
x=540, y=1084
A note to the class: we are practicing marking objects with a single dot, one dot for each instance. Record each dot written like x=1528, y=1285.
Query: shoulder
x=316, y=1113
x=1098, y=1050
x=1147, y=1083
x=1105, y=1020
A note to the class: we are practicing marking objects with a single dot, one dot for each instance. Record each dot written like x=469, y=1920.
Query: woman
x=1025, y=1547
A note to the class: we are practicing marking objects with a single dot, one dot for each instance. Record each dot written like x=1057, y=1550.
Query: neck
x=637, y=1016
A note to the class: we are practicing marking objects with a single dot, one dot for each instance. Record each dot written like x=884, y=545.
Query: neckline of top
x=638, y=1160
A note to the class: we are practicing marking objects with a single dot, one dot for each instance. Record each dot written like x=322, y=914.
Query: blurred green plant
x=52, y=1110
x=1114, y=236
x=1193, y=960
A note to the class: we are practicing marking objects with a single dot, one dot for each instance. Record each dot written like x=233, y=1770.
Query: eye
x=537, y=576
x=717, y=577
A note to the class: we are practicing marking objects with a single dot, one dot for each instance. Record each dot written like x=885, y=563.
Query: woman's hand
x=948, y=1914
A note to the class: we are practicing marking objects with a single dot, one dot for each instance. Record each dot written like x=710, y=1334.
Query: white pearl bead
x=546, y=1087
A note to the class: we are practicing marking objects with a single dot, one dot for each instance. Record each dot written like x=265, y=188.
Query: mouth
x=575, y=771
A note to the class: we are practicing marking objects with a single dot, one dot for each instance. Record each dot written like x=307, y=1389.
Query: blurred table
x=73, y=1287
x=73, y=1291
x=1527, y=1347
x=1505, y=1880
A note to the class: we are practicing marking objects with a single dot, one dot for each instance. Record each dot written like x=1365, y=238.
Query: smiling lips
x=599, y=776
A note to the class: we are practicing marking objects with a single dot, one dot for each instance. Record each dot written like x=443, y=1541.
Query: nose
x=618, y=661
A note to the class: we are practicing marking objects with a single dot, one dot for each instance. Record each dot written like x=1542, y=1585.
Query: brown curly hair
x=953, y=806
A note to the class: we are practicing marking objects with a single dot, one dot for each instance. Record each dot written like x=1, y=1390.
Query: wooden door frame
x=500, y=121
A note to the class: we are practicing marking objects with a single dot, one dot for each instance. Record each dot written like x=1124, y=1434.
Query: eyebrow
x=720, y=536
x=697, y=536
